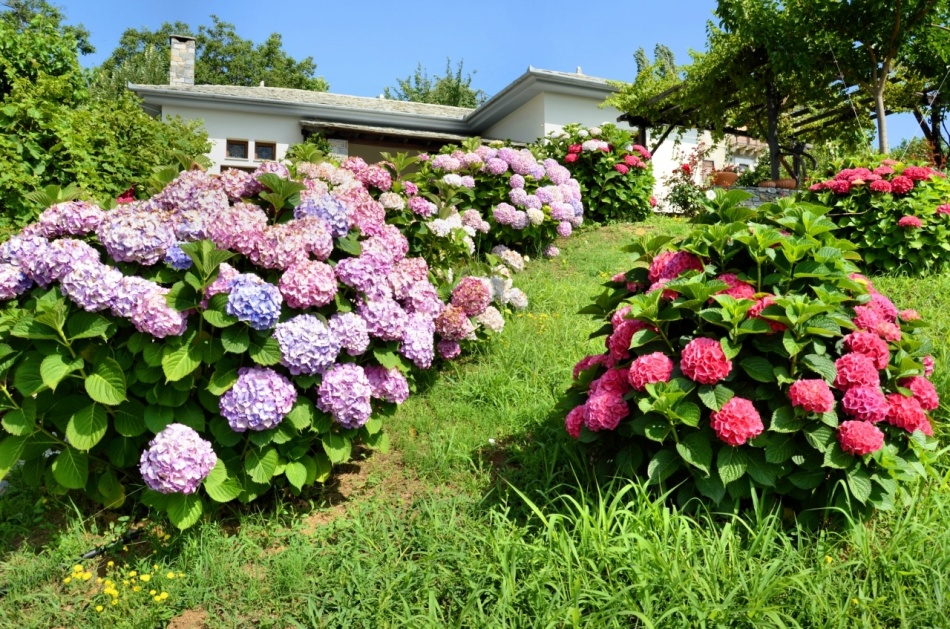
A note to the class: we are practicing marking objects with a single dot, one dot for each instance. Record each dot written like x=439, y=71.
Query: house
x=248, y=125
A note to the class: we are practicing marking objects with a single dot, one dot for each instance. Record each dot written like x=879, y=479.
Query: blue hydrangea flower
x=177, y=259
x=254, y=301
x=259, y=400
x=329, y=209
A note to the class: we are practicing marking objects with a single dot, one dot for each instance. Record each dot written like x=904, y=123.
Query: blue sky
x=362, y=47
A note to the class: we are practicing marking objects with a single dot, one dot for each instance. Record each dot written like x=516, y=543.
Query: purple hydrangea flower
x=516, y=181
x=307, y=345
x=345, y=393
x=177, y=460
x=449, y=349
x=468, y=182
x=385, y=319
x=350, y=330
x=551, y=251
x=518, y=197
x=254, y=301
x=445, y=162
x=418, y=340
x=422, y=206
x=520, y=220
x=259, y=400
x=407, y=272
x=471, y=295
x=504, y=214
x=136, y=232
x=13, y=281
x=327, y=207
x=564, y=229
x=177, y=259
x=387, y=384
x=92, y=286
x=222, y=283
x=73, y=218
x=308, y=283
x=423, y=298
x=496, y=166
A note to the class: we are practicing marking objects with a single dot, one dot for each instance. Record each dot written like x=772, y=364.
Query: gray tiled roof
x=306, y=97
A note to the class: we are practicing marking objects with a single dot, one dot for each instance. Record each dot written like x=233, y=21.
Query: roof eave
x=332, y=113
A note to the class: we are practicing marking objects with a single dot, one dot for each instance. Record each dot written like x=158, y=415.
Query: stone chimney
x=182, y=68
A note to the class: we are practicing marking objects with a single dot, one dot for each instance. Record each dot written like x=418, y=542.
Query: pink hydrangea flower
x=909, y=222
x=860, y=438
x=704, y=361
x=856, y=370
x=604, y=411
x=618, y=343
x=737, y=288
x=909, y=315
x=923, y=390
x=574, y=420
x=672, y=264
x=905, y=412
x=755, y=312
x=587, y=362
x=865, y=403
x=612, y=381
x=871, y=345
x=881, y=185
x=736, y=422
x=943, y=209
x=650, y=368
x=928, y=362
x=812, y=395
x=901, y=184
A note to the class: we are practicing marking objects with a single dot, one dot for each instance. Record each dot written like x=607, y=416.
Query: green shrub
x=898, y=215
x=616, y=175
x=752, y=356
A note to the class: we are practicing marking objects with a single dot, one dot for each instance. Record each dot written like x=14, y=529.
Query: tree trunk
x=881, y=119
x=772, y=105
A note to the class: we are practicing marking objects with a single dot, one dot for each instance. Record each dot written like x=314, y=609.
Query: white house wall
x=222, y=126
x=525, y=124
x=562, y=109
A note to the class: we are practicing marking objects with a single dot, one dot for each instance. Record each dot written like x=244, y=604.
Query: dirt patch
x=370, y=475
x=189, y=619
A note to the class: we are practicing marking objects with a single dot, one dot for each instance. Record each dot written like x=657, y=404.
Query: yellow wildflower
x=828, y=559
x=98, y=579
x=137, y=588
x=158, y=599
x=133, y=573
x=181, y=574
x=110, y=564
x=115, y=602
x=155, y=567
x=170, y=575
x=163, y=595
x=145, y=577
x=86, y=576
x=67, y=580
x=99, y=608
x=77, y=568
x=125, y=549
x=153, y=592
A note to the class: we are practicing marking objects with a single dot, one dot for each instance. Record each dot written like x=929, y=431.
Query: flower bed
x=227, y=335
x=898, y=215
x=615, y=174
x=752, y=355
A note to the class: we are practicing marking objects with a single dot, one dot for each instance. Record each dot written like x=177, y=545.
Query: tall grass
x=503, y=521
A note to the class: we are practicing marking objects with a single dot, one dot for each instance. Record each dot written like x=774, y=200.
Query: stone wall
x=181, y=71
x=761, y=196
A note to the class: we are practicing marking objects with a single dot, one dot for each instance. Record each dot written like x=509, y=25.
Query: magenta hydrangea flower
x=345, y=393
x=909, y=222
x=307, y=345
x=448, y=349
x=924, y=392
x=812, y=395
x=865, y=403
x=672, y=264
x=859, y=437
x=308, y=283
x=177, y=460
x=907, y=413
x=574, y=420
x=704, y=361
x=649, y=369
x=871, y=345
x=604, y=411
x=471, y=295
x=856, y=370
x=587, y=362
x=259, y=400
x=736, y=422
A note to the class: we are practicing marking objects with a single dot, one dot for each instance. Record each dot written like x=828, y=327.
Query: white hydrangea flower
x=535, y=216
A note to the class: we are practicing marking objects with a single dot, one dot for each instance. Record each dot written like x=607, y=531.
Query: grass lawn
x=484, y=513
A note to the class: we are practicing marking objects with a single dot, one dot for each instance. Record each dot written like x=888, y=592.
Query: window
x=237, y=149
x=265, y=150
x=709, y=166
x=247, y=169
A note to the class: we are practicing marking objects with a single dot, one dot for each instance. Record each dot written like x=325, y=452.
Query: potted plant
x=726, y=176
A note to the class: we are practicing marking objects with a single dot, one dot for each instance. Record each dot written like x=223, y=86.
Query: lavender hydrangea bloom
x=446, y=163
x=13, y=281
x=418, y=340
x=222, y=283
x=329, y=209
x=520, y=220
x=135, y=232
x=152, y=314
x=422, y=206
x=254, y=301
x=449, y=349
x=345, y=393
x=74, y=218
x=350, y=330
x=423, y=298
x=564, y=229
x=532, y=202
x=363, y=273
x=516, y=182
x=504, y=214
x=385, y=319
x=307, y=345
x=561, y=211
x=407, y=272
x=177, y=460
x=551, y=251
x=177, y=259
x=496, y=166
x=259, y=400
x=92, y=285
x=518, y=197
x=238, y=227
x=387, y=384
x=453, y=324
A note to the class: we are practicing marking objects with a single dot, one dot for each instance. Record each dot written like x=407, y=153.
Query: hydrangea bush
x=229, y=334
x=751, y=354
x=500, y=197
x=615, y=174
x=897, y=214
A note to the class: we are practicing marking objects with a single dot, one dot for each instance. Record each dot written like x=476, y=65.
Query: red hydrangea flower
x=613, y=381
x=923, y=390
x=668, y=294
x=943, y=209
x=574, y=420
x=814, y=396
x=839, y=186
x=672, y=264
x=856, y=370
x=575, y=148
x=817, y=187
x=703, y=361
x=871, y=345
x=755, y=312
x=860, y=438
x=917, y=173
x=618, y=343
x=909, y=221
x=604, y=411
x=736, y=422
x=621, y=168
x=865, y=403
x=905, y=412
x=909, y=315
x=901, y=184
x=883, y=170
x=650, y=368
x=587, y=362
x=621, y=314
x=570, y=158
x=928, y=362
x=737, y=288
x=883, y=306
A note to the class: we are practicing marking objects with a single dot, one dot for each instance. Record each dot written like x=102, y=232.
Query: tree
x=19, y=14
x=927, y=65
x=450, y=89
x=222, y=58
x=866, y=40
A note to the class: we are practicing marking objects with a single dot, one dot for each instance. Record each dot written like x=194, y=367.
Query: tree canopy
x=453, y=88
x=222, y=58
